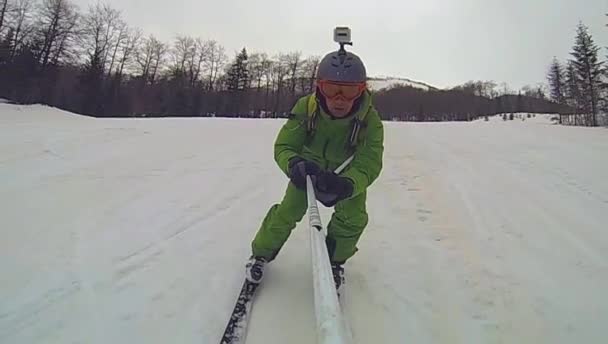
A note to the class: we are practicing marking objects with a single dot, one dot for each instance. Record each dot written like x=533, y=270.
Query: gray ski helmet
x=342, y=66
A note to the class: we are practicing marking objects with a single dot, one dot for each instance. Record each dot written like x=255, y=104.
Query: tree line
x=412, y=104
x=92, y=62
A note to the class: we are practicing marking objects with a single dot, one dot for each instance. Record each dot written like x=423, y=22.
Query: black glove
x=331, y=188
x=299, y=168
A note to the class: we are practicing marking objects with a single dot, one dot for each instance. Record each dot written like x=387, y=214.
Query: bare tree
x=122, y=36
x=20, y=19
x=3, y=12
x=267, y=66
x=56, y=25
x=504, y=89
x=215, y=61
x=65, y=48
x=101, y=34
x=280, y=71
x=201, y=53
x=188, y=56
x=308, y=73
x=256, y=69
x=128, y=48
x=144, y=55
x=183, y=52
x=113, y=27
x=149, y=57
x=101, y=27
x=293, y=61
x=159, y=52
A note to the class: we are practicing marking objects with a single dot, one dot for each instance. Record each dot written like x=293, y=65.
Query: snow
x=137, y=231
x=382, y=82
x=523, y=119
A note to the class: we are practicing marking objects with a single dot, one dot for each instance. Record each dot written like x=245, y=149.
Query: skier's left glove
x=331, y=188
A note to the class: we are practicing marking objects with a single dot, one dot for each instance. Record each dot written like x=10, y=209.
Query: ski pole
x=330, y=324
x=344, y=165
x=330, y=329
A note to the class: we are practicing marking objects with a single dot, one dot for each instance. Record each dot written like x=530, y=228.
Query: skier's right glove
x=332, y=188
x=299, y=168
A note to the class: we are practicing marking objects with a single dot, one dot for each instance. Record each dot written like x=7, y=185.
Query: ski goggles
x=348, y=91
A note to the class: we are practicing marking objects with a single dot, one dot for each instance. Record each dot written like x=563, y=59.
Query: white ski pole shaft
x=313, y=208
x=330, y=325
x=344, y=164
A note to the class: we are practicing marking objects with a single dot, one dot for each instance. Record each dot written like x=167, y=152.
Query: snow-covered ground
x=381, y=82
x=522, y=118
x=136, y=231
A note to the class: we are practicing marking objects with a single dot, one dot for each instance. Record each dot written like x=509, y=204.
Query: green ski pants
x=343, y=231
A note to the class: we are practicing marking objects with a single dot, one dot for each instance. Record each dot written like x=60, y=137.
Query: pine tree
x=588, y=71
x=238, y=75
x=573, y=88
x=557, y=82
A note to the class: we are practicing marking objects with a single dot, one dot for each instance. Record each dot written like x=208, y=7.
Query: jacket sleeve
x=292, y=136
x=367, y=164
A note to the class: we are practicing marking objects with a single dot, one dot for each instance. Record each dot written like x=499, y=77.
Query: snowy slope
x=381, y=82
x=136, y=231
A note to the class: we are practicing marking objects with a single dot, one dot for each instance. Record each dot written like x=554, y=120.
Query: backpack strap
x=354, y=133
x=313, y=113
x=358, y=128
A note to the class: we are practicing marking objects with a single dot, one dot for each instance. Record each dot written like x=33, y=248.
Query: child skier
x=324, y=129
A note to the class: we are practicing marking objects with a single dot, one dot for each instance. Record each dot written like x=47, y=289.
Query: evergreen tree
x=238, y=75
x=573, y=89
x=588, y=70
x=557, y=82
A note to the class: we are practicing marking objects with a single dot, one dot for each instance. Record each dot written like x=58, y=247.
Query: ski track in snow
x=137, y=231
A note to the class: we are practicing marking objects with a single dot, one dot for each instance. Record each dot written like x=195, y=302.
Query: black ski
x=236, y=330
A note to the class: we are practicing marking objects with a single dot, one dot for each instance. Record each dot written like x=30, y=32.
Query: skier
x=323, y=130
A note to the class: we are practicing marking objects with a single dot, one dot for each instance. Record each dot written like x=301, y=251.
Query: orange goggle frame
x=348, y=91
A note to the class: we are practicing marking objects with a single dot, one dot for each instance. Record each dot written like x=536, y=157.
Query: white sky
x=441, y=42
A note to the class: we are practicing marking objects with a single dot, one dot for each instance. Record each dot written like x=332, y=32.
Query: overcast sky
x=441, y=42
